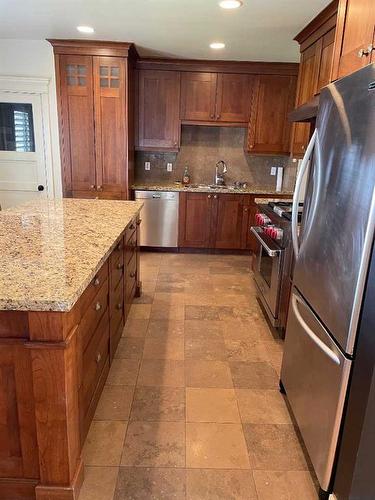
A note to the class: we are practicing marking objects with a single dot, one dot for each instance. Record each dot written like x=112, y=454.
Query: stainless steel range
x=273, y=260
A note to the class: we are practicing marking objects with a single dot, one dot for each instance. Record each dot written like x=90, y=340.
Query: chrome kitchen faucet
x=220, y=176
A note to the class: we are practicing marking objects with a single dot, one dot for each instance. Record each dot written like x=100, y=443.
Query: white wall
x=34, y=58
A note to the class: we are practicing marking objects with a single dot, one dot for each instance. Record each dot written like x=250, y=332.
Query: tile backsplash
x=201, y=148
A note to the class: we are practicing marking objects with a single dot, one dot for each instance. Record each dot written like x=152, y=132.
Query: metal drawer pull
x=98, y=306
x=119, y=306
x=96, y=282
x=132, y=274
x=98, y=358
x=120, y=266
x=209, y=196
x=139, y=221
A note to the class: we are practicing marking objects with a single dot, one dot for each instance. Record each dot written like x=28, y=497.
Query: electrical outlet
x=147, y=165
x=273, y=170
x=169, y=167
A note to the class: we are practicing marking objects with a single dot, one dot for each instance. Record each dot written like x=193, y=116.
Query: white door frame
x=39, y=89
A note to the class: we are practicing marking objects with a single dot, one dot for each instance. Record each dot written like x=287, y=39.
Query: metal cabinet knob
x=99, y=188
x=120, y=266
x=40, y=187
x=92, y=186
x=139, y=222
x=96, y=282
x=245, y=209
x=365, y=52
x=212, y=116
x=98, y=306
x=209, y=196
x=118, y=306
x=251, y=146
x=217, y=117
x=98, y=357
x=132, y=275
x=215, y=196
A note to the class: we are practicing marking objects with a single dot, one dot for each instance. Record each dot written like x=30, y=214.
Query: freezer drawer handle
x=311, y=334
x=156, y=196
x=257, y=233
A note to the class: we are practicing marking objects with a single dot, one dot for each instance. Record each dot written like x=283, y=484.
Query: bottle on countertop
x=186, y=176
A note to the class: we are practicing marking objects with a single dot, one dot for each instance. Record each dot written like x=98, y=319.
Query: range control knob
x=262, y=219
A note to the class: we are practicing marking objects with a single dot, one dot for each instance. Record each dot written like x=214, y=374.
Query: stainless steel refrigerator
x=332, y=253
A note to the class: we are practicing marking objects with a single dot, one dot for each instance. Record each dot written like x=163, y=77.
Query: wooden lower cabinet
x=218, y=221
x=53, y=367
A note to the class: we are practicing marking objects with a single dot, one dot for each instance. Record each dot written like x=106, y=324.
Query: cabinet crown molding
x=215, y=66
x=93, y=47
x=327, y=15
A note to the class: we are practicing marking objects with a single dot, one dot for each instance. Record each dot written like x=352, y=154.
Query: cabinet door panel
x=110, y=123
x=233, y=98
x=18, y=450
x=198, y=96
x=195, y=220
x=229, y=223
x=77, y=122
x=269, y=129
x=159, y=109
x=355, y=32
x=306, y=88
x=326, y=55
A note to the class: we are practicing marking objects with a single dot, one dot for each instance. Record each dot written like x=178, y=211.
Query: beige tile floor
x=191, y=408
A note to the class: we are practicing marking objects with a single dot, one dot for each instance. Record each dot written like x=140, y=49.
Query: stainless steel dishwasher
x=159, y=215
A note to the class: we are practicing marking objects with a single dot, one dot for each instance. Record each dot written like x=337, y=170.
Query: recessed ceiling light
x=217, y=45
x=230, y=4
x=85, y=29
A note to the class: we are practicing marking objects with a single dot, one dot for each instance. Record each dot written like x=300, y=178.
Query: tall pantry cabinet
x=96, y=97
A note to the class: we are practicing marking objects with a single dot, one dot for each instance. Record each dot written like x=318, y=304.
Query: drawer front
x=130, y=229
x=131, y=277
x=94, y=359
x=90, y=292
x=93, y=314
x=117, y=269
x=130, y=247
x=117, y=304
x=116, y=334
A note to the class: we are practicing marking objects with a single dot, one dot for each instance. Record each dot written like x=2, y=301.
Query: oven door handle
x=257, y=232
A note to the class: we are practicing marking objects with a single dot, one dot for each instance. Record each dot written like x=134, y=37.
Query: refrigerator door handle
x=311, y=334
x=301, y=174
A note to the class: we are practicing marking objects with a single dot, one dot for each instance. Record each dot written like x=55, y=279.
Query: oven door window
x=266, y=265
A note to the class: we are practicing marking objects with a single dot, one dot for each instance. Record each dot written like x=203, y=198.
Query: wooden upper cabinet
x=158, y=111
x=316, y=45
x=110, y=123
x=354, y=42
x=94, y=82
x=77, y=122
x=233, y=98
x=215, y=97
x=198, y=96
x=269, y=129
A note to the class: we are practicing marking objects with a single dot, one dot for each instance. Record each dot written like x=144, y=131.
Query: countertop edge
x=188, y=189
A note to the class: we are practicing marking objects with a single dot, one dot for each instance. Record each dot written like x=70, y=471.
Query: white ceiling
x=260, y=30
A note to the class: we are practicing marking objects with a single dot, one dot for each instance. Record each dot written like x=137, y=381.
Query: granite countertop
x=198, y=188
x=51, y=249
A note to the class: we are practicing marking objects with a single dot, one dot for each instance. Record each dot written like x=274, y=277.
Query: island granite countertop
x=51, y=249
x=200, y=188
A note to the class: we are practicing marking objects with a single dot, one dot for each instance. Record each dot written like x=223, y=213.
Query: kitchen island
x=69, y=272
